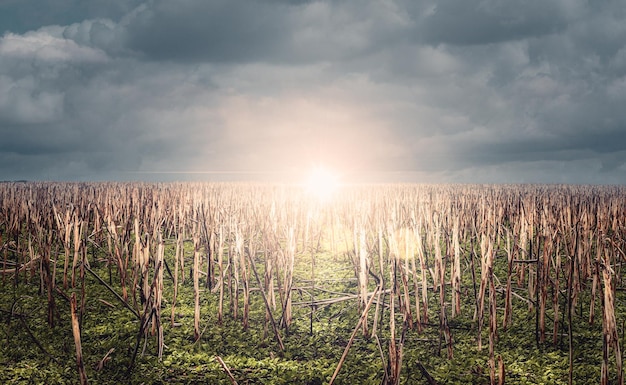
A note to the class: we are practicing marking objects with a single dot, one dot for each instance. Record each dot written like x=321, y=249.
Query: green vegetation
x=318, y=264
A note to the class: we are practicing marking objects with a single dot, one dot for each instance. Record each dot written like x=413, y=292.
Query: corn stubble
x=407, y=243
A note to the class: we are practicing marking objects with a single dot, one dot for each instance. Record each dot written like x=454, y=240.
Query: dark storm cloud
x=20, y=16
x=68, y=110
x=298, y=32
x=471, y=91
x=208, y=30
x=484, y=22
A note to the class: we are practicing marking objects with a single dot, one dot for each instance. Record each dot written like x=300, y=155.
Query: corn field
x=422, y=257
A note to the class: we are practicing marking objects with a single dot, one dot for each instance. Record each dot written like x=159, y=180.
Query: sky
x=422, y=91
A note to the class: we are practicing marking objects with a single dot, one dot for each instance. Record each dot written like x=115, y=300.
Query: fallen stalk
x=356, y=329
x=119, y=297
x=30, y=333
x=267, y=305
x=226, y=370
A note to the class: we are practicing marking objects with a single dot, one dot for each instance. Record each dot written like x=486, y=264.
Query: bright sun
x=322, y=183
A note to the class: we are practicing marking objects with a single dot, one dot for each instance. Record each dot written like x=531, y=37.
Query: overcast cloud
x=382, y=90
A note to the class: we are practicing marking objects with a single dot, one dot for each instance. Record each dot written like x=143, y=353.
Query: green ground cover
x=33, y=353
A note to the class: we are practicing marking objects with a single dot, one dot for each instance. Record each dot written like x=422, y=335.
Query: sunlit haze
x=321, y=183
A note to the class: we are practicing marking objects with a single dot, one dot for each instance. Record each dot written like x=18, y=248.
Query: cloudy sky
x=485, y=91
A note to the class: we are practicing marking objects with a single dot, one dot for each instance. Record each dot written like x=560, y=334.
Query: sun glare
x=322, y=183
